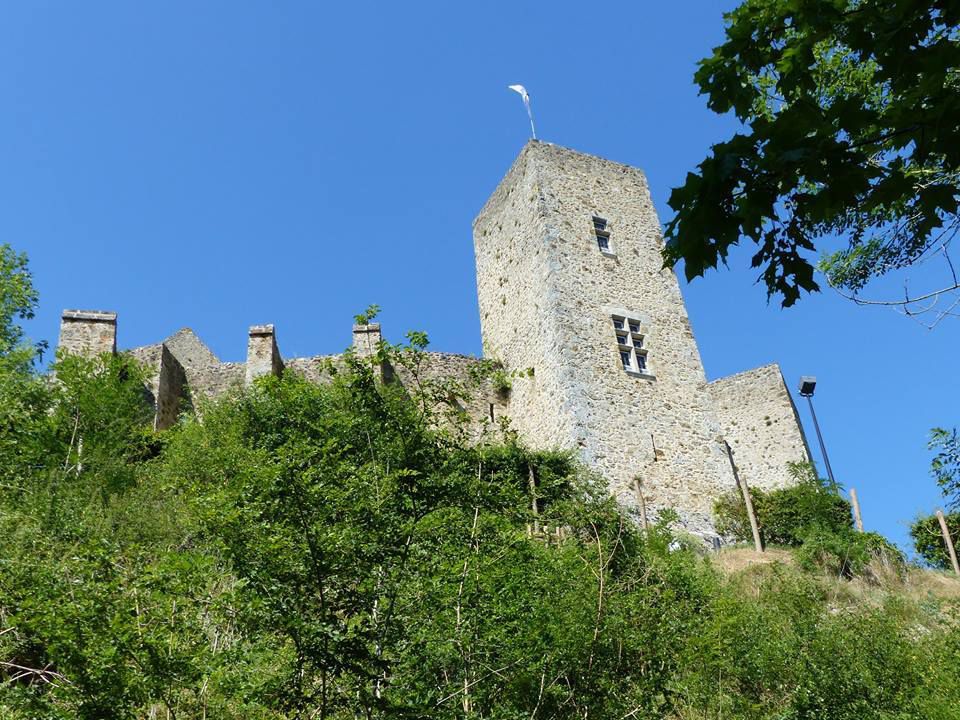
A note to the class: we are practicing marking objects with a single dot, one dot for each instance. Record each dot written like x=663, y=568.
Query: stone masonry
x=88, y=332
x=576, y=305
x=553, y=299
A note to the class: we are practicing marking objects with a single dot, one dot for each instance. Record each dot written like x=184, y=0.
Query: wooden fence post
x=638, y=490
x=948, y=542
x=856, y=509
x=742, y=484
x=533, y=499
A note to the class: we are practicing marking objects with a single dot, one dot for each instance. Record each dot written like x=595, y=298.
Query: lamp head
x=808, y=384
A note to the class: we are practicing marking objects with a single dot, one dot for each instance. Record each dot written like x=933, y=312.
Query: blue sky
x=219, y=164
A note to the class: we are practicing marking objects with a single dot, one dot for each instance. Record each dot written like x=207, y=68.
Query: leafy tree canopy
x=851, y=116
x=18, y=301
x=945, y=465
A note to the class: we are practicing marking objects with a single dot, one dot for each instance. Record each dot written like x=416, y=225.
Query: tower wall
x=548, y=296
x=519, y=304
x=760, y=422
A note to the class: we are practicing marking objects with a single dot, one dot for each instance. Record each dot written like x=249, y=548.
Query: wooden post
x=638, y=490
x=533, y=499
x=742, y=484
x=948, y=542
x=856, y=509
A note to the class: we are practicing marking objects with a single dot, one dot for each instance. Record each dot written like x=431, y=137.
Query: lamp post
x=807, y=385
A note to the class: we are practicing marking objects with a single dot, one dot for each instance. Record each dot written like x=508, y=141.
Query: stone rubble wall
x=760, y=422
x=194, y=371
x=519, y=305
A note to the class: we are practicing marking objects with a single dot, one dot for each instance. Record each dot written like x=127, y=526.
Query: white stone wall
x=760, y=422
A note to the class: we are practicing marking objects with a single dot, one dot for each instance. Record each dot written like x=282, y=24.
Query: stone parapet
x=263, y=355
x=88, y=332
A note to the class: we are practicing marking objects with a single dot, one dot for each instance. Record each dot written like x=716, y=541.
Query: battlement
x=88, y=332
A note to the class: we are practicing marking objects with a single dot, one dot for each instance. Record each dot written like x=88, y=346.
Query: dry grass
x=879, y=582
x=733, y=560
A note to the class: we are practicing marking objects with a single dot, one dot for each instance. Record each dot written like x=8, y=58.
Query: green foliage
x=850, y=110
x=772, y=646
x=945, y=465
x=846, y=552
x=492, y=370
x=367, y=316
x=786, y=516
x=336, y=551
x=316, y=550
x=928, y=538
x=18, y=301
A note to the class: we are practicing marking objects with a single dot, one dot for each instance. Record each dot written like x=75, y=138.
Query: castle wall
x=548, y=296
x=171, y=390
x=469, y=399
x=760, y=422
x=166, y=383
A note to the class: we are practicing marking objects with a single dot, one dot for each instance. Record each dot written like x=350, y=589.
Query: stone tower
x=571, y=284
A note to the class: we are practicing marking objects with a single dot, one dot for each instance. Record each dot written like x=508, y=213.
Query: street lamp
x=807, y=385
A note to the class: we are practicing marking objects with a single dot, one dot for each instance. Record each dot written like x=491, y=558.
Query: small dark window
x=634, y=326
x=603, y=235
x=641, y=362
x=618, y=323
x=625, y=358
x=638, y=343
x=622, y=339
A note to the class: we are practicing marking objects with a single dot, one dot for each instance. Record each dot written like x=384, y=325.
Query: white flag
x=522, y=91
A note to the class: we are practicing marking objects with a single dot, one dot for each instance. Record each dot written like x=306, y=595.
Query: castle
x=573, y=293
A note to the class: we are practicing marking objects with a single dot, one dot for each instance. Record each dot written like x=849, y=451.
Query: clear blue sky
x=221, y=164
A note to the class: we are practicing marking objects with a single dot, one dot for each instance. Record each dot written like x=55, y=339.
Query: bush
x=845, y=553
x=928, y=540
x=787, y=515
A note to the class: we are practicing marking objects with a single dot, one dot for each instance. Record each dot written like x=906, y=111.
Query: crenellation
x=263, y=355
x=579, y=313
x=88, y=332
x=366, y=339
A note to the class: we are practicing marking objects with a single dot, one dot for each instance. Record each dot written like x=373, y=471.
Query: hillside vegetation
x=303, y=551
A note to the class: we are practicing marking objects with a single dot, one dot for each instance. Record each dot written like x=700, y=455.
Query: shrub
x=787, y=515
x=845, y=553
x=928, y=540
